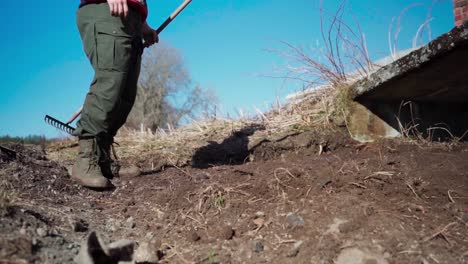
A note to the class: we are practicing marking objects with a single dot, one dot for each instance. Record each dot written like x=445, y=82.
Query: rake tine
x=58, y=124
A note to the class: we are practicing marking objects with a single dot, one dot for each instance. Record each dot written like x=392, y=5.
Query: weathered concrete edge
x=442, y=45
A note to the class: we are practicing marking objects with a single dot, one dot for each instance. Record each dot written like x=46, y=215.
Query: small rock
x=75, y=251
x=111, y=225
x=465, y=218
x=259, y=222
x=130, y=223
x=355, y=255
x=149, y=236
x=325, y=182
x=78, y=225
x=227, y=233
x=349, y=226
x=295, y=249
x=147, y=253
x=257, y=246
x=53, y=232
x=259, y=214
x=23, y=231
x=294, y=220
x=41, y=232
x=194, y=236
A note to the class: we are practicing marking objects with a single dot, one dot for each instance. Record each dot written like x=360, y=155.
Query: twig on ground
x=284, y=241
x=450, y=196
x=181, y=170
x=358, y=185
x=412, y=189
x=308, y=191
x=441, y=232
x=380, y=173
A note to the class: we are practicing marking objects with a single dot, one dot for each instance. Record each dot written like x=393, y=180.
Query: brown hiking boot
x=86, y=170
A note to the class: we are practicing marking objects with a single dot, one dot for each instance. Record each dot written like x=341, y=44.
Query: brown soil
x=327, y=201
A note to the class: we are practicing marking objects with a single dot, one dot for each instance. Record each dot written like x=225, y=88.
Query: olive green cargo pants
x=114, y=47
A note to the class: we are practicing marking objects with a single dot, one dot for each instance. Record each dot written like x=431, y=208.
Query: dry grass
x=411, y=131
x=176, y=147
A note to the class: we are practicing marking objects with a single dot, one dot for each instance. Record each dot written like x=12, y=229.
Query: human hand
x=149, y=35
x=118, y=7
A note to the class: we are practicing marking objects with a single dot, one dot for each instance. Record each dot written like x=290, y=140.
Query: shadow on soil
x=233, y=150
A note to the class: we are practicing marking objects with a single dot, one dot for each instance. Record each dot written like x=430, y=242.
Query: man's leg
x=108, y=43
x=127, y=98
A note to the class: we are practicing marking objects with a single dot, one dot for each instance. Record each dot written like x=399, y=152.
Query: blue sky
x=44, y=70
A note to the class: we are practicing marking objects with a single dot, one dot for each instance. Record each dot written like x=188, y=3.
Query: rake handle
x=158, y=31
x=173, y=16
x=75, y=115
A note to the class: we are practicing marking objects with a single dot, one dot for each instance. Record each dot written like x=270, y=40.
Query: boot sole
x=86, y=184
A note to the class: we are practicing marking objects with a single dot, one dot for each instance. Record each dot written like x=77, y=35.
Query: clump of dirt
x=310, y=197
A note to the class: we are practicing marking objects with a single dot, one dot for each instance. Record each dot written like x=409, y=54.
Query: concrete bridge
x=423, y=93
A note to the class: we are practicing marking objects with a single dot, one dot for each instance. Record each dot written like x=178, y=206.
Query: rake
x=66, y=126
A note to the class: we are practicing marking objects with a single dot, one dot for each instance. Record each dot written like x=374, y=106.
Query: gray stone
x=257, y=246
x=78, y=225
x=42, y=232
x=354, y=255
x=295, y=249
x=259, y=214
x=194, y=236
x=111, y=225
x=294, y=220
x=130, y=223
x=23, y=231
x=149, y=235
x=465, y=218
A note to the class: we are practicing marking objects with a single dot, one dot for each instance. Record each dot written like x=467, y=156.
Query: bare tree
x=166, y=93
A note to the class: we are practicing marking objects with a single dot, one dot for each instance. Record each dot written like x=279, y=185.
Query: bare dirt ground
x=334, y=202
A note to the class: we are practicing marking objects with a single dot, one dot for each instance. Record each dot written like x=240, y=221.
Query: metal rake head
x=59, y=124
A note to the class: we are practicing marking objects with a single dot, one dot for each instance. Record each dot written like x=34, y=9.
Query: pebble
x=295, y=249
x=149, y=235
x=294, y=220
x=23, y=231
x=111, y=225
x=465, y=218
x=79, y=225
x=194, y=236
x=259, y=214
x=257, y=246
x=227, y=233
x=130, y=223
x=41, y=232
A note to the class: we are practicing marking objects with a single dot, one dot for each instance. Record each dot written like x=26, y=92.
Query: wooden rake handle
x=158, y=30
